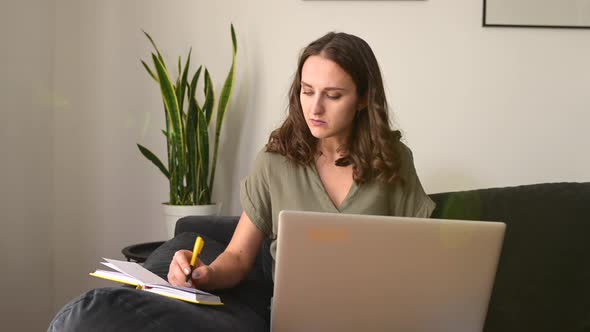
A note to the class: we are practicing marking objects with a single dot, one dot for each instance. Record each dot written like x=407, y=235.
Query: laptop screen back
x=337, y=272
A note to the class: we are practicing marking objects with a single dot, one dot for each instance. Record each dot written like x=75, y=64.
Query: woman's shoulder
x=266, y=159
x=407, y=170
x=406, y=157
x=405, y=151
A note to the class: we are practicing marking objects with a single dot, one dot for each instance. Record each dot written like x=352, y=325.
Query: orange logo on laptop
x=328, y=234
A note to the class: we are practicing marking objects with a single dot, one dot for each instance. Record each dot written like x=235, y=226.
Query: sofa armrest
x=218, y=228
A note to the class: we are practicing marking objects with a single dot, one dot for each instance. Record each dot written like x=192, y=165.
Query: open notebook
x=134, y=274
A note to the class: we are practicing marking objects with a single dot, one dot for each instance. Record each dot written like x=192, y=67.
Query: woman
x=335, y=152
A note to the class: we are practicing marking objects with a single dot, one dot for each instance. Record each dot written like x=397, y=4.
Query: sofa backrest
x=543, y=277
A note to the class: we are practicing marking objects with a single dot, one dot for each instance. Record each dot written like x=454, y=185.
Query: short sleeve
x=409, y=199
x=255, y=194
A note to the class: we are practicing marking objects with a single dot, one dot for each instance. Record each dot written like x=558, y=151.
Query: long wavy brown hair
x=373, y=148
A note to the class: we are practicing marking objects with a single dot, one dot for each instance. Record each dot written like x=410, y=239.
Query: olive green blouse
x=275, y=184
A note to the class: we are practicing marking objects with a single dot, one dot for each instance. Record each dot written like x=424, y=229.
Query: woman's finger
x=182, y=257
x=179, y=266
x=201, y=276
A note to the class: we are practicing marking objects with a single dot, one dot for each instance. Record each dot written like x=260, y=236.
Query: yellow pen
x=199, y=243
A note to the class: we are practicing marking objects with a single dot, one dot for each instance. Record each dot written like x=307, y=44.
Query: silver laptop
x=339, y=272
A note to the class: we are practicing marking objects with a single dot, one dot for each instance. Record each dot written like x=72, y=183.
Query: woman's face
x=328, y=98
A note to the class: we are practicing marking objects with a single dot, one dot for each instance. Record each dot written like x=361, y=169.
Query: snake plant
x=190, y=171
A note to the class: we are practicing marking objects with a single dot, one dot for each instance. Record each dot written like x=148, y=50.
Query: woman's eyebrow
x=327, y=89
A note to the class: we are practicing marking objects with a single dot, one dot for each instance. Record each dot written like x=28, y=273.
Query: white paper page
x=137, y=271
x=118, y=276
x=110, y=265
x=191, y=296
x=182, y=289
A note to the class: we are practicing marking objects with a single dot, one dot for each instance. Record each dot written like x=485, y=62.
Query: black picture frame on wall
x=566, y=14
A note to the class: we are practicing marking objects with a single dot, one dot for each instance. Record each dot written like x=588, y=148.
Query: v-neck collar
x=326, y=198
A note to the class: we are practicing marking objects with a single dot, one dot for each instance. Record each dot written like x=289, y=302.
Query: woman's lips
x=317, y=123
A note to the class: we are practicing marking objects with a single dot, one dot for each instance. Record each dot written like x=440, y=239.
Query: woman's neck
x=330, y=149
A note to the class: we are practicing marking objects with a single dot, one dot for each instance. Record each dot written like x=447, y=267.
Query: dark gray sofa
x=543, y=277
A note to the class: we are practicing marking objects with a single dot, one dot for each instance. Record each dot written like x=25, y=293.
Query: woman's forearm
x=226, y=271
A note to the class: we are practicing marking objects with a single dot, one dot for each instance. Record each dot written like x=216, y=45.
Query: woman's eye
x=307, y=93
x=333, y=97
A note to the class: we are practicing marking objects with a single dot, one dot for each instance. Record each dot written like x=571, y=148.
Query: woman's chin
x=319, y=134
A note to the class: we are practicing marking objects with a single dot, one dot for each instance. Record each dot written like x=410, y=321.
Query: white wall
x=26, y=166
x=480, y=107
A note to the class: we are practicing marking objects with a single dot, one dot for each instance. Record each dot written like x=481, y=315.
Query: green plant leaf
x=224, y=98
x=175, y=131
x=191, y=144
x=193, y=85
x=155, y=47
x=204, y=197
x=154, y=159
x=177, y=86
x=190, y=174
x=170, y=101
x=181, y=87
x=203, y=154
x=233, y=39
x=149, y=71
x=169, y=147
x=179, y=67
x=209, y=97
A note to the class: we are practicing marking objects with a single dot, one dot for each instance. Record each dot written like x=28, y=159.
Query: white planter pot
x=175, y=212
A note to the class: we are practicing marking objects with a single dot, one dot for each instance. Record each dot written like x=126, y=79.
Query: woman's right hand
x=228, y=269
x=180, y=267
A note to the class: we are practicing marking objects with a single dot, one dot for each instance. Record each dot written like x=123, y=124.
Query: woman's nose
x=317, y=106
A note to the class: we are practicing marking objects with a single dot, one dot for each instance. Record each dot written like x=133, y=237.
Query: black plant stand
x=140, y=252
